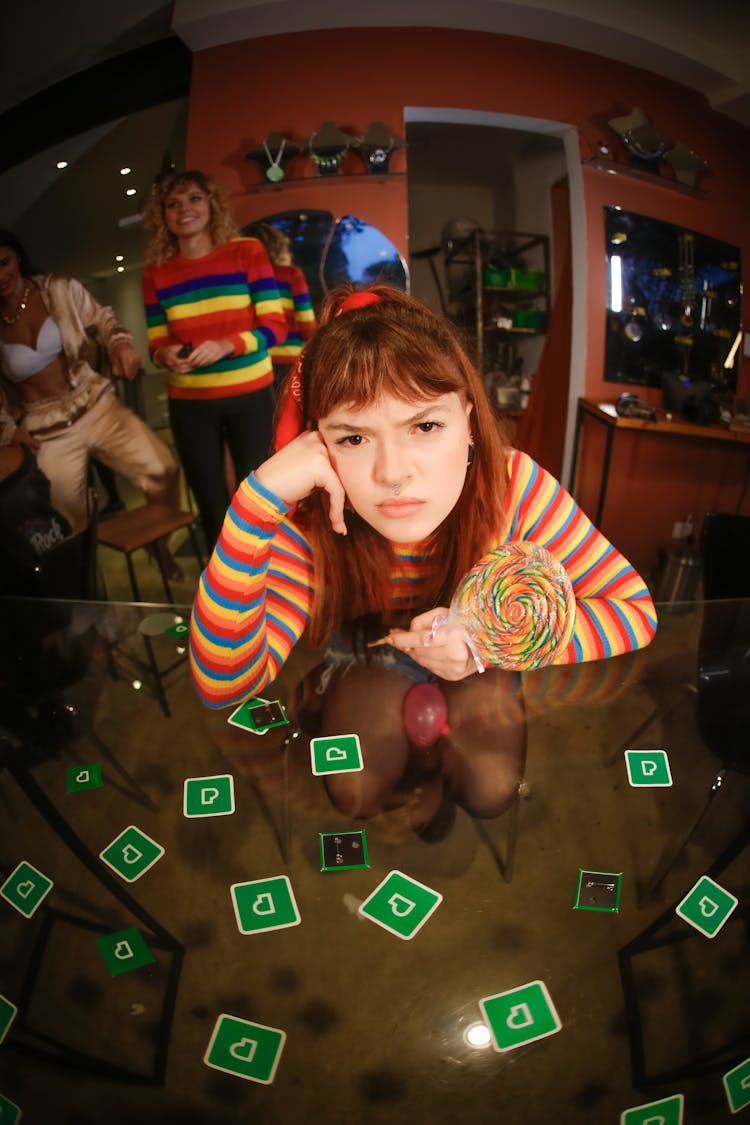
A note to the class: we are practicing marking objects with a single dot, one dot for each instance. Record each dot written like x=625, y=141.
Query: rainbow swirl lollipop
x=517, y=606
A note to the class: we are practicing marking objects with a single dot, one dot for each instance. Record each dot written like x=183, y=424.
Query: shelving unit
x=518, y=306
x=510, y=303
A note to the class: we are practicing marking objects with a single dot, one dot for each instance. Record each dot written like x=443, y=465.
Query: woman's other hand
x=299, y=469
x=126, y=361
x=23, y=437
x=442, y=650
x=203, y=355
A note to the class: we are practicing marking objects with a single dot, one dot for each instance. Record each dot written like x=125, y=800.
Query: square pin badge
x=339, y=753
x=401, y=905
x=706, y=906
x=598, y=890
x=83, y=777
x=259, y=715
x=343, y=851
x=244, y=1049
x=131, y=854
x=10, y=1113
x=666, y=1111
x=25, y=888
x=520, y=1015
x=208, y=796
x=648, y=768
x=8, y=1012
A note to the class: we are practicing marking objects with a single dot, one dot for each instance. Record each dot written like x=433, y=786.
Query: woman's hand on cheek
x=441, y=649
x=299, y=469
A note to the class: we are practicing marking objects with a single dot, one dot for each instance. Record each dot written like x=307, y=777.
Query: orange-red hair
x=397, y=347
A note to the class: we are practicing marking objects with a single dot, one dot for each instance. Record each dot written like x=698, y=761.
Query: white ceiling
x=704, y=46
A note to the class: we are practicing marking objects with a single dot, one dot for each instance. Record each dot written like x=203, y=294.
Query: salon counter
x=178, y=944
x=635, y=477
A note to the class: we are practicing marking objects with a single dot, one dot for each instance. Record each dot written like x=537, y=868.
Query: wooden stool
x=144, y=527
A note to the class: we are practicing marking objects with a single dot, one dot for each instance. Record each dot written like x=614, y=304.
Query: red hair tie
x=358, y=300
x=291, y=420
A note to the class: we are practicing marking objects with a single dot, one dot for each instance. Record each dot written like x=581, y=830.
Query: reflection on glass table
x=195, y=929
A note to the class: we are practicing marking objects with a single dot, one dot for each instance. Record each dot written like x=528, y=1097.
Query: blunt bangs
x=358, y=358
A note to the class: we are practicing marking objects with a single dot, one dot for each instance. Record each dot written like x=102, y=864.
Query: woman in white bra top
x=55, y=403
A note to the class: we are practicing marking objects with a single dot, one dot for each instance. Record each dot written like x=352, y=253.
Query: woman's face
x=11, y=281
x=187, y=211
x=402, y=464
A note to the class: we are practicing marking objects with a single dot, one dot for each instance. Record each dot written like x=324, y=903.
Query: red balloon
x=425, y=713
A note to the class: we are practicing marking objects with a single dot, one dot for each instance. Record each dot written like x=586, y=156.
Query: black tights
x=479, y=763
x=201, y=429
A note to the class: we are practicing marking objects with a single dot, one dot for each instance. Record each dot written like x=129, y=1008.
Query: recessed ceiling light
x=62, y=164
x=119, y=257
x=121, y=269
x=125, y=171
x=130, y=191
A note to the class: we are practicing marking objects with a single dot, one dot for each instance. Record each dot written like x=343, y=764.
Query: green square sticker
x=25, y=888
x=84, y=777
x=598, y=890
x=264, y=904
x=131, y=853
x=343, y=851
x=706, y=906
x=400, y=905
x=520, y=1015
x=9, y=1111
x=737, y=1086
x=648, y=768
x=124, y=950
x=667, y=1111
x=245, y=1049
x=209, y=796
x=339, y=753
x=179, y=628
x=8, y=1012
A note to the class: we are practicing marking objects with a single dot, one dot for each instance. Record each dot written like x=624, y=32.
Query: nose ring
x=396, y=488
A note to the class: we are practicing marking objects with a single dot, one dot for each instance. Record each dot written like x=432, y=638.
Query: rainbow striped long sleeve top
x=229, y=294
x=254, y=598
x=298, y=310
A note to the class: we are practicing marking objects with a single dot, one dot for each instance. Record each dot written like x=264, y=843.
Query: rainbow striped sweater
x=229, y=294
x=254, y=598
x=298, y=310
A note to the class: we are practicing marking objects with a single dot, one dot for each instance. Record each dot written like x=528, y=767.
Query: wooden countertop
x=665, y=424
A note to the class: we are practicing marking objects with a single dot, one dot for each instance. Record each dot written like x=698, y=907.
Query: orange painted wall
x=290, y=84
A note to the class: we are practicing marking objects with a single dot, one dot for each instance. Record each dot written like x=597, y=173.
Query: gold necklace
x=21, y=308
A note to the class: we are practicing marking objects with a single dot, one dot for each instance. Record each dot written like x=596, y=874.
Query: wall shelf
x=327, y=181
x=614, y=168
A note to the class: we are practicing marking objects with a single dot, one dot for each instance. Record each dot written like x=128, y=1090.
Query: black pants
x=202, y=428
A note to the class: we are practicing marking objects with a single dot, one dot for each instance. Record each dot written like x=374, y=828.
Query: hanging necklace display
x=274, y=171
x=272, y=167
x=332, y=144
x=20, y=310
x=377, y=145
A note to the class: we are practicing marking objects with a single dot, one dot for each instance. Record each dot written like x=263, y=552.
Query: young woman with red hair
x=390, y=481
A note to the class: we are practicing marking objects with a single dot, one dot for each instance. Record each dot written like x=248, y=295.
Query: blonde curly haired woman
x=213, y=311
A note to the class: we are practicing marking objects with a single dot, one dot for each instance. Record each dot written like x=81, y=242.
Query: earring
x=472, y=452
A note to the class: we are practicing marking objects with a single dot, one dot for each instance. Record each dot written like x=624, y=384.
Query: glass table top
x=516, y=898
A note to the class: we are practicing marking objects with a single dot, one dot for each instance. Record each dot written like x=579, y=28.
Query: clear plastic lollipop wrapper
x=516, y=608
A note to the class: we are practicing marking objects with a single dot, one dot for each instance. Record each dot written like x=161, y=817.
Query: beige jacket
x=75, y=312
